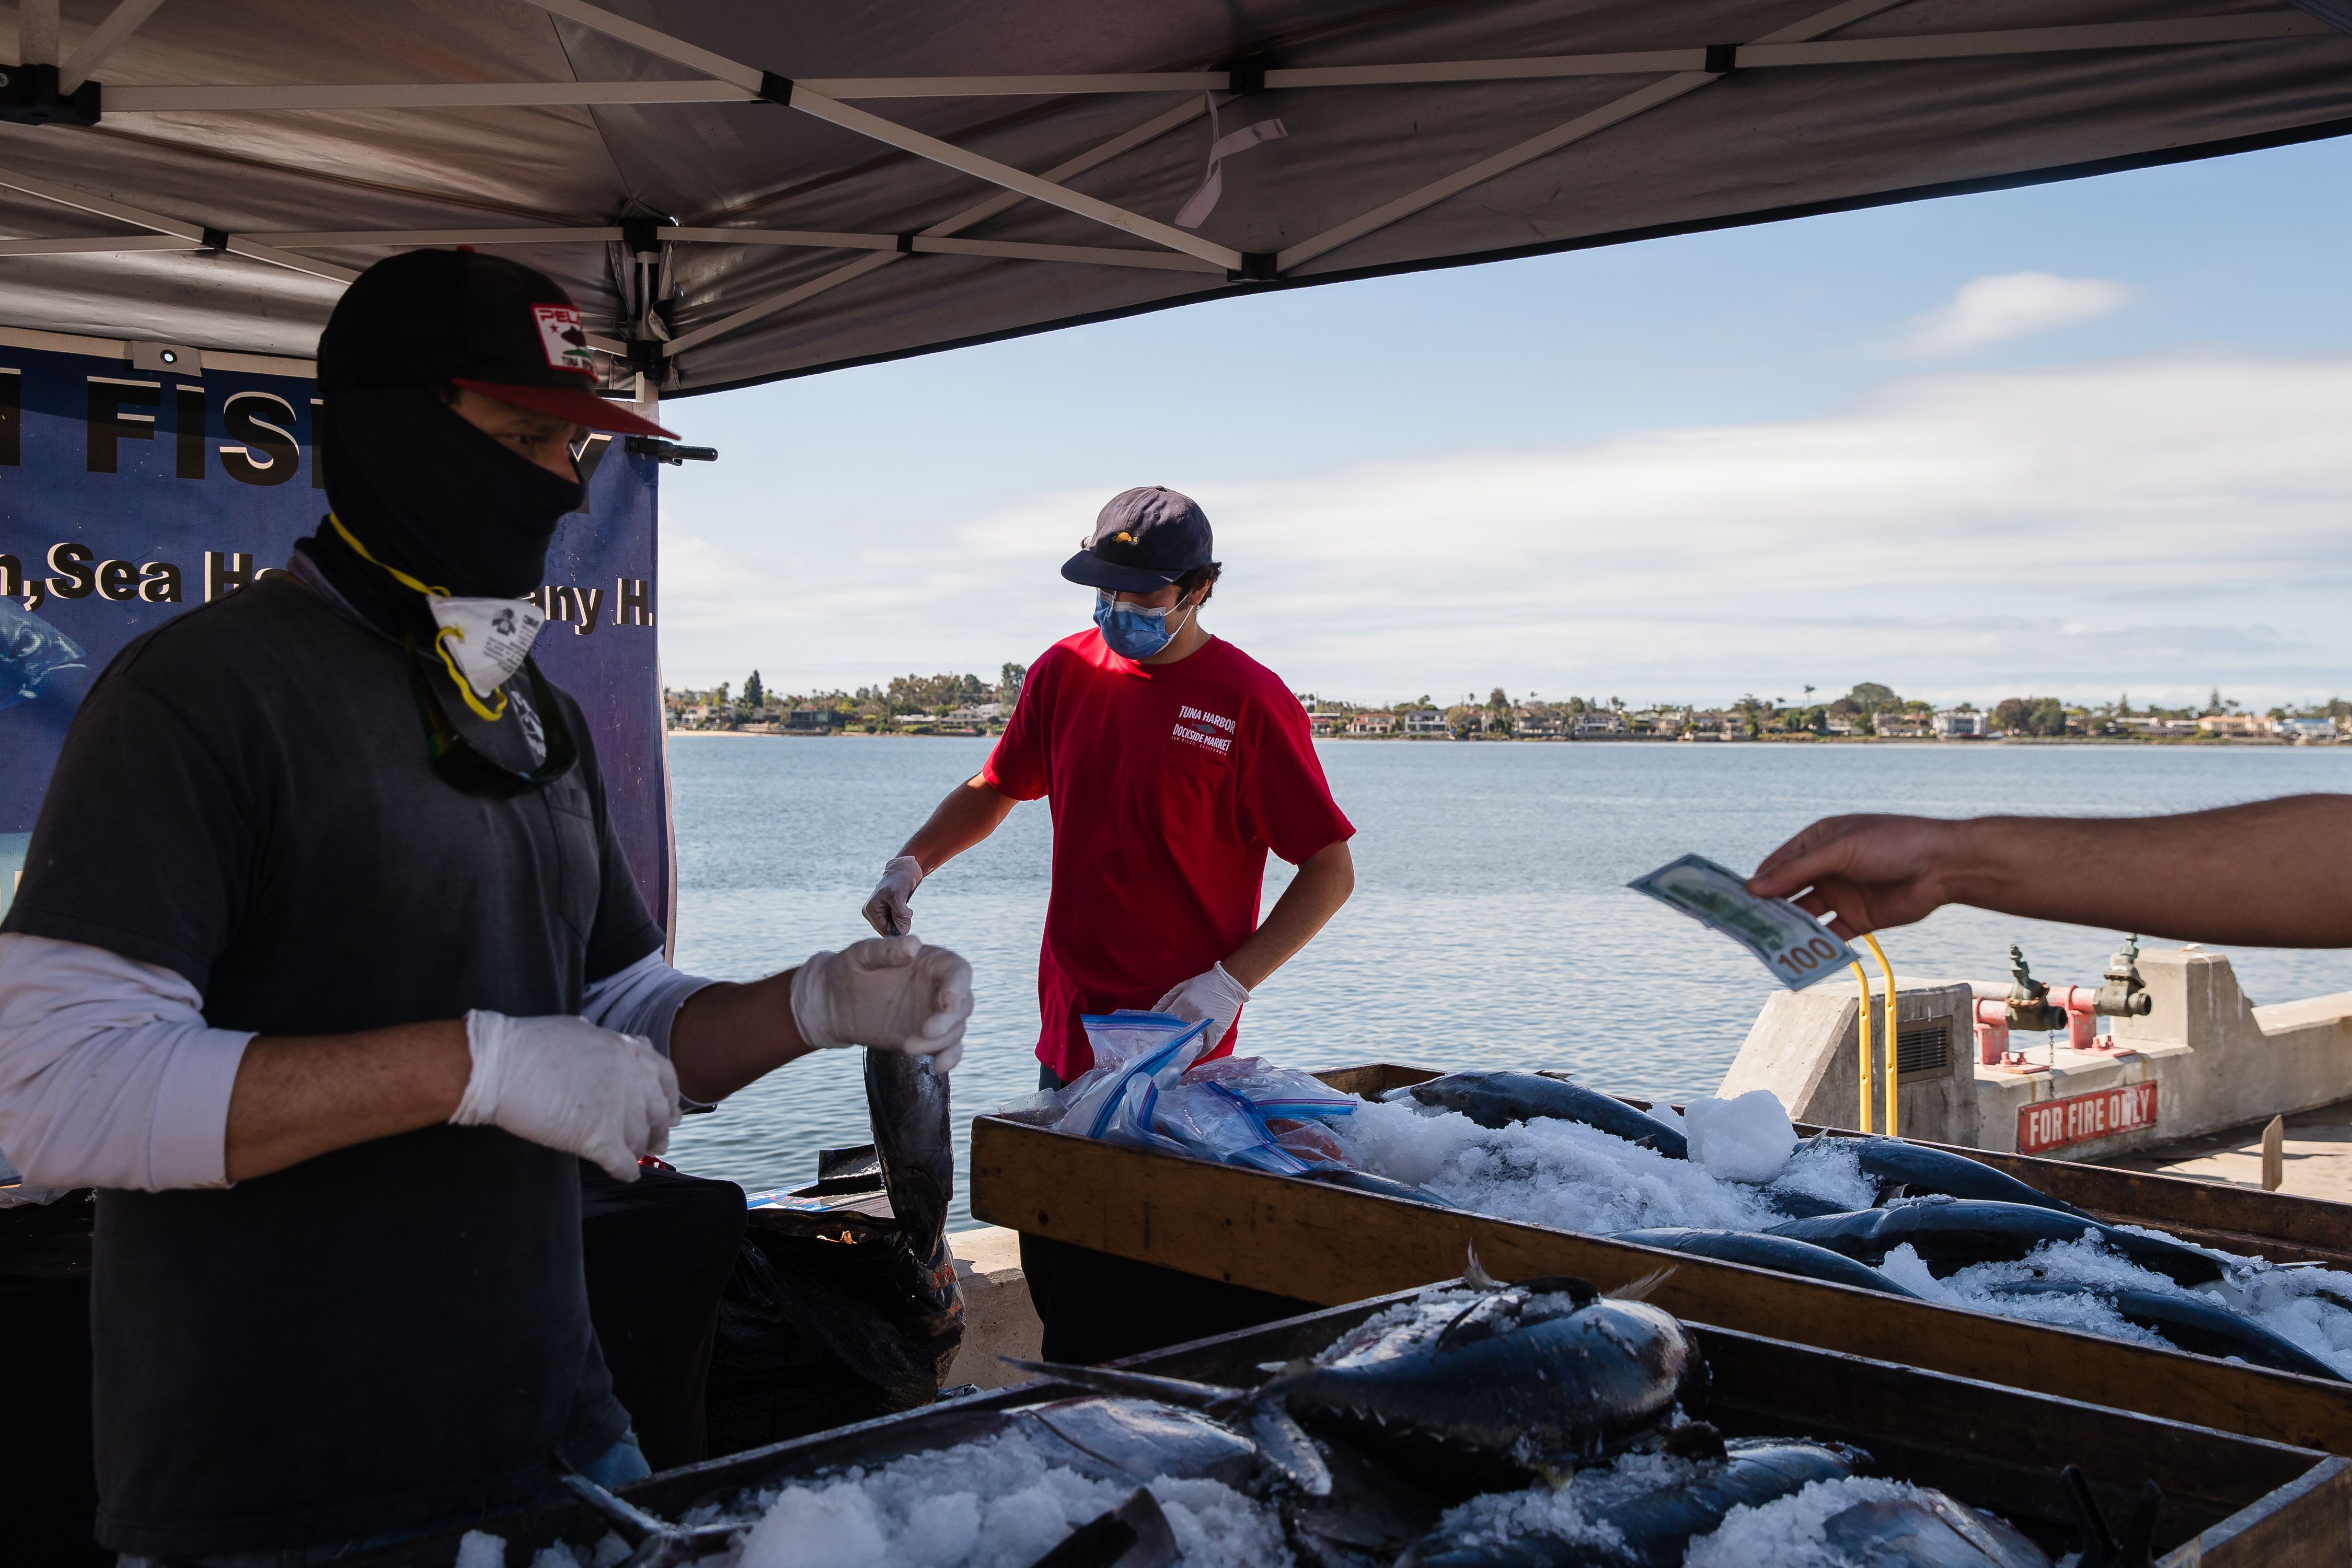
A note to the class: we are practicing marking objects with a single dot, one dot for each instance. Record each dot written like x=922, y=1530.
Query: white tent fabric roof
x=737, y=191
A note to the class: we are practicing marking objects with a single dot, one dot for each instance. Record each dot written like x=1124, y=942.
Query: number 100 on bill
x=1797, y=947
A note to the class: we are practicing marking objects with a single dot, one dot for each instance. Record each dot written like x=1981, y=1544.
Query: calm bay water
x=1490, y=925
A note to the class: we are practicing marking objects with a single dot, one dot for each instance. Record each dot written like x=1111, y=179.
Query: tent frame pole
x=1842, y=15
x=1149, y=131
x=1766, y=55
x=120, y=24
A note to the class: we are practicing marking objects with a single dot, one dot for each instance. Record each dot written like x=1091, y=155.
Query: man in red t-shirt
x=1174, y=762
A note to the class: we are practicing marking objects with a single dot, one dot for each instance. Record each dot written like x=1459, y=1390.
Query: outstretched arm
x=2273, y=873
x=970, y=812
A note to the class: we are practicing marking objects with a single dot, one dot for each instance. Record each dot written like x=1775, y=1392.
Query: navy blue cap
x=1144, y=539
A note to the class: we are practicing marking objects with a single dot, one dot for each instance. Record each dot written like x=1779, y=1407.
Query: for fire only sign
x=2082, y=1118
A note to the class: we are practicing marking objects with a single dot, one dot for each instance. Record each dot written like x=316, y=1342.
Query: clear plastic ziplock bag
x=1135, y=1056
x=1276, y=1092
x=1213, y=1123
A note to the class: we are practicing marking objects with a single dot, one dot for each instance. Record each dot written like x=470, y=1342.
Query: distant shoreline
x=2203, y=742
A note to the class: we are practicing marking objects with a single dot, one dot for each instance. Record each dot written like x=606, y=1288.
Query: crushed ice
x=1789, y=1532
x=994, y=1503
x=1571, y=1176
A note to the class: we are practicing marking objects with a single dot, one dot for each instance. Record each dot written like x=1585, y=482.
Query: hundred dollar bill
x=1797, y=947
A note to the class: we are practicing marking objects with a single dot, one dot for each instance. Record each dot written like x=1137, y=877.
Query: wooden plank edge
x=2170, y=1384
x=2317, y=1226
x=2308, y=1520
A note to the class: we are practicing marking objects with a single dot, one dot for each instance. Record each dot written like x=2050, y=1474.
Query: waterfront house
x=1537, y=726
x=1425, y=724
x=2159, y=729
x=1329, y=721
x=2307, y=732
x=2236, y=726
x=1599, y=724
x=812, y=721
x=1959, y=724
x=1372, y=724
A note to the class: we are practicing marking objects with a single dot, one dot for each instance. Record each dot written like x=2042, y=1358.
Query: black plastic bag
x=852, y=1311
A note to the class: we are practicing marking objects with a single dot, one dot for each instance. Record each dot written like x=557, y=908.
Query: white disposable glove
x=890, y=910
x=886, y=993
x=567, y=1084
x=1215, y=996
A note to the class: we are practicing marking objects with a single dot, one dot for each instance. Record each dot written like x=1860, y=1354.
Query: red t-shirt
x=1168, y=784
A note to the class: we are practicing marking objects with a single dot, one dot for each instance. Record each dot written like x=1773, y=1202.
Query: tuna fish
x=1494, y=1098
x=1654, y=1524
x=1794, y=1205
x=1921, y=1171
x=1504, y=1379
x=2193, y=1323
x=1545, y=1374
x=1365, y=1182
x=1782, y=1254
x=1928, y=1530
x=1950, y=1236
x=1134, y=1534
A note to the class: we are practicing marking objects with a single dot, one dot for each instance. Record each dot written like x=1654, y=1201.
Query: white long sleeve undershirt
x=109, y=1076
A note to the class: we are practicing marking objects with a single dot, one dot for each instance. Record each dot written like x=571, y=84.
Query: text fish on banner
x=139, y=481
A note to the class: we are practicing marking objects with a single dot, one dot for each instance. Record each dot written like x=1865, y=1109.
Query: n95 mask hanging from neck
x=487, y=638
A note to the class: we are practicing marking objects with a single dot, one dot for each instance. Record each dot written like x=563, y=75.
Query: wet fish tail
x=1206, y=1397
x=1640, y=1289
x=1284, y=1444
x=1134, y=1534
x=1475, y=1276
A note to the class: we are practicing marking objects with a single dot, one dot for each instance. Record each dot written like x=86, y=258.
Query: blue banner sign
x=139, y=480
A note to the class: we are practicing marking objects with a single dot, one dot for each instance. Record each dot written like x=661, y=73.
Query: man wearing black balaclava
x=326, y=968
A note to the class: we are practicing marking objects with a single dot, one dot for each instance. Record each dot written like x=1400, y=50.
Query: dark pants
x=658, y=1252
x=1098, y=1307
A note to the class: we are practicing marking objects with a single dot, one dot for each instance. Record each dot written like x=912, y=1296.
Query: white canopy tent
x=737, y=191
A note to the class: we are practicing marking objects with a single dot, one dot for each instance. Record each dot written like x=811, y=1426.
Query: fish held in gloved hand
x=888, y=994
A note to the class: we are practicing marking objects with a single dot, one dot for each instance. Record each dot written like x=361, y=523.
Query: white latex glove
x=1216, y=996
x=888, y=994
x=567, y=1084
x=889, y=910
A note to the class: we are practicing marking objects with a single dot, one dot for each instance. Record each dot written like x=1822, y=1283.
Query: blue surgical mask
x=1132, y=631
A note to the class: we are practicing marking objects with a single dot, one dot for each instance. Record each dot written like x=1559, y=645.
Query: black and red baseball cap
x=482, y=321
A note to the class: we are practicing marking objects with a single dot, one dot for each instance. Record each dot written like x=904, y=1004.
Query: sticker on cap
x=560, y=334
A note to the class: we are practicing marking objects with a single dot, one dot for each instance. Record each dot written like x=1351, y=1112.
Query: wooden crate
x=1329, y=1245
x=2277, y=1225
x=2229, y=1501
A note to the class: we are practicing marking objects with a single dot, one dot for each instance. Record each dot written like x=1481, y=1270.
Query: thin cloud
x=2156, y=525
x=1995, y=309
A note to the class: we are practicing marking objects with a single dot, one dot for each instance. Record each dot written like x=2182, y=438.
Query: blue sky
x=2083, y=439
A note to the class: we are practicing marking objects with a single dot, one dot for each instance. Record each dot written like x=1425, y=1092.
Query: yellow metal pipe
x=1862, y=1023
x=1894, y=1068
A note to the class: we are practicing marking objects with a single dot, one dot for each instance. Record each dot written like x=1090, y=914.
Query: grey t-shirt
x=398, y=1330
